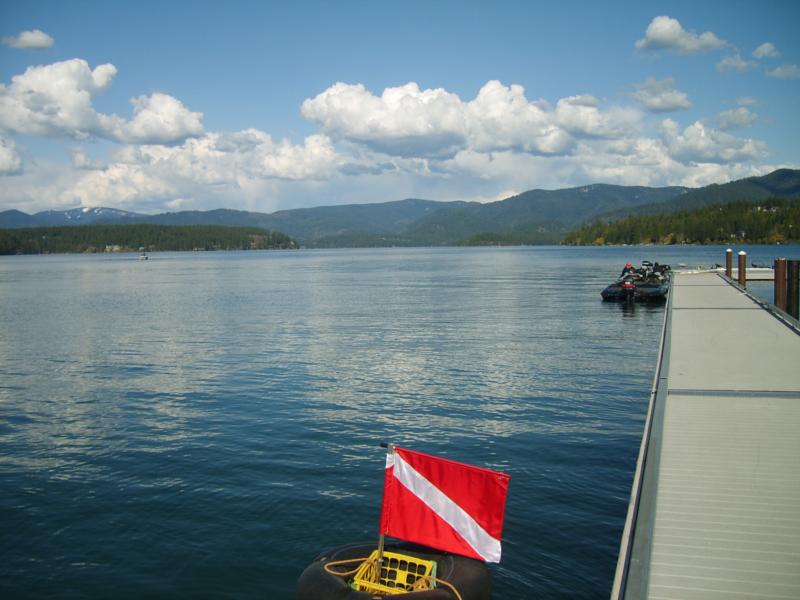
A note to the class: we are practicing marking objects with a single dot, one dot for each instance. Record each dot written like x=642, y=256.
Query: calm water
x=202, y=425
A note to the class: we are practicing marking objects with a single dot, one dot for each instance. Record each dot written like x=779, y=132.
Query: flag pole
x=389, y=453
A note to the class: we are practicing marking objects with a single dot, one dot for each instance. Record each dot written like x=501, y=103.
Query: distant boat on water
x=143, y=254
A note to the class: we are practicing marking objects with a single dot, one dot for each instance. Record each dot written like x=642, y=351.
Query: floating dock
x=715, y=505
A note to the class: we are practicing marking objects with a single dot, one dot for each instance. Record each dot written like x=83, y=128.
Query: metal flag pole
x=389, y=456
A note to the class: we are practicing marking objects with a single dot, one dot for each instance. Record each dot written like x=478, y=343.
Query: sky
x=154, y=106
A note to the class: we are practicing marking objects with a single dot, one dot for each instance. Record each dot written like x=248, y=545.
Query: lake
x=204, y=424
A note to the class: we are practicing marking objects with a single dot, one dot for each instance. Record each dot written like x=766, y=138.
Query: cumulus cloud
x=502, y=118
x=10, y=161
x=405, y=142
x=158, y=119
x=406, y=121
x=661, y=96
x=581, y=115
x=735, y=62
x=701, y=144
x=56, y=100
x=118, y=185
x=213, y=165
x=766, y=50
x=632, y=161
x=737, y=118
x=30, y=40
x=666, y=33
x=403, y=120
x=785, y=72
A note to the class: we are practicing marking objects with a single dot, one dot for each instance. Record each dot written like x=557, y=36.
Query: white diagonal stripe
x=476, y=536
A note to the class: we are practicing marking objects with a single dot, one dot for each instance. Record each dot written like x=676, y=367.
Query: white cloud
x=213, y=166
x=785, y=72
x=81, y=161
x=502, y=118
x=118, y=185
x=581, y=116
x=315, y=159
x=766, y=50
x=158, y=119
x=704, y=174
x=403, y=121
x=30, y=40
x=735, y=62
x=633, y=161
x=666, y=33
x=405, y=142
x=737, y=118
x=746, y=101
x=701, y=144
x=10, y=161
x=661, y=96
x=56, y=100
x=407, y=122
x=253, y=154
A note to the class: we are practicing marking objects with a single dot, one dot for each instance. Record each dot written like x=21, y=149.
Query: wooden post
x=729, y=263
x=780, y=283
x=792, y=287
x=743, y=268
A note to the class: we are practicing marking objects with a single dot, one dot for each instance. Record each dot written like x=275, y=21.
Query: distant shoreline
x=117, y=239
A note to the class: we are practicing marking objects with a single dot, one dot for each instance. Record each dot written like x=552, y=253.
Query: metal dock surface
x=715, y=507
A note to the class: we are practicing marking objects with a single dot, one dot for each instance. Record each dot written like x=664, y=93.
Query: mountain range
x=535, y=216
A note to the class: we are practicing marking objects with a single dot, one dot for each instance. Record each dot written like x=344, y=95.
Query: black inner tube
x=470, y=577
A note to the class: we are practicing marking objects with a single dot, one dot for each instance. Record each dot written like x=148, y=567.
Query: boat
x=334, y=574
x=648, y=283
x=143, y=255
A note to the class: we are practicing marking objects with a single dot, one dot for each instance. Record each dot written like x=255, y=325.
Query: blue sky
x=170, y=105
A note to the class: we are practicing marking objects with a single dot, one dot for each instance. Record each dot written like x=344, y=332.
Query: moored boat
x=648, y=283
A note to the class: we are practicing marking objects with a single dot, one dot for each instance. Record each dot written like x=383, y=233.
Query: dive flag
x=444, y=504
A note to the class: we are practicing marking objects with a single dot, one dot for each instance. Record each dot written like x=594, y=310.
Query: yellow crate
x=398, y=573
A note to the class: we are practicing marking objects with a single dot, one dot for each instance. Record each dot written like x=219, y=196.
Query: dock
x=715, y=504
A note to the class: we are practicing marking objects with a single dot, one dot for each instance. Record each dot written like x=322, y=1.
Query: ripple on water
x=205, y=424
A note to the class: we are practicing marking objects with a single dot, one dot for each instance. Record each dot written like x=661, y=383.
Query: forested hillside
x=129, y=238
x=766, y=222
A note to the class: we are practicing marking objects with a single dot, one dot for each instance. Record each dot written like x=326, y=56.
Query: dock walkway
x=715, y=508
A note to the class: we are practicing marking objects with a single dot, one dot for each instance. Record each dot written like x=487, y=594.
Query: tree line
x=132, y=238
x=765, y=222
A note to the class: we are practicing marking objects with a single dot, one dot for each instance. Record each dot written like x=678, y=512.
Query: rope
x=373, y=572
x=422, y=584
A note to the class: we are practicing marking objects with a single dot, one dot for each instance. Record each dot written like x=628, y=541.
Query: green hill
x=534, y=217
x=783, y=183
x=762, y=222
x=129, y=238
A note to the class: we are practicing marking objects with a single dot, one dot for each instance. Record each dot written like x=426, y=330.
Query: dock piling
x=729, y=263
x=792, y=287
x=743, y=268
x=780, y=283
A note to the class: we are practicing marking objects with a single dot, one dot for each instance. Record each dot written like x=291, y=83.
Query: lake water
x=203, y=425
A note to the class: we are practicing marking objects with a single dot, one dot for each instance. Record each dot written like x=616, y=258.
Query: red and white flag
x=444, y=504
